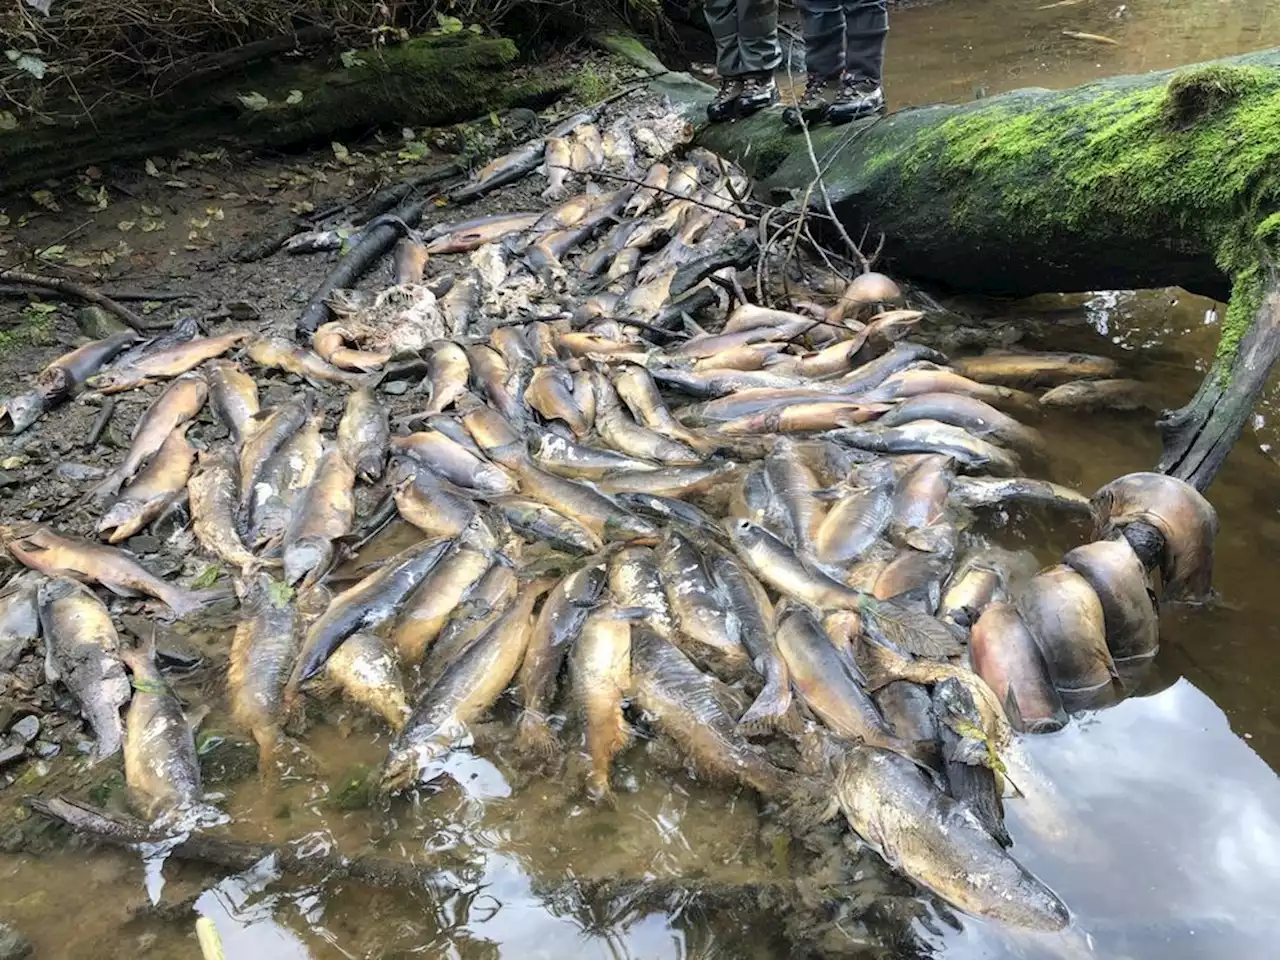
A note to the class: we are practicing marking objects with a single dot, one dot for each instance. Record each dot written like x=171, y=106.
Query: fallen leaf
x=151, y=168
x=14, y=462
x=45, y=199
x=207, y=578
x=4, y=220
x=80, y=260
x=57, y=251
x=351, y=59
x=151, y=226
x=27, y=63
x=150, y=211
x=295, y=96
x=176, y=184
x=341, y=152
x=199, y=224
x=253, y=101
x=8, y=121
x=215, y=212
x=124, y=226
x=93, y=173
x=302, y=206
x=449, y=24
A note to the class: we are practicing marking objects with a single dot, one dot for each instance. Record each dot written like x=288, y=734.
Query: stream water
x=1164, y=829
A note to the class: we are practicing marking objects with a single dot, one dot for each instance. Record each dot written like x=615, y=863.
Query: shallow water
x=1157, y=821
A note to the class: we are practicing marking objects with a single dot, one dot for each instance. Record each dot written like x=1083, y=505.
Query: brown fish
x=180, y=402
x=550, y=393
x=212, y=489
x=1185, y=519
x=477, y=233
x=60, y=380
x=454, y=462
x=41, y=549
x=1103, y=395
x=324, y=514
x=556, y=167
x=920, y=503
x=367, y=673
x=364, y=434
x=431, y=504
x=159, y=484
x=267, y=432
x=408, y=261
x=1007, y=657
x=905, y=384
x=430, y=606
x=170, y=362
x=281, y=353
x=447, y=371
x=234, y=396
x=1066, y=618
x=263, y=650
x=617, y=428
x=651, y=191
x=330, y=343
x=600, y=675
x=1035, y=369
x=1119, y=579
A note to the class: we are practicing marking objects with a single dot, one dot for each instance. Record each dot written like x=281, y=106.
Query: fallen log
x=73, y=289
x=1161, y=179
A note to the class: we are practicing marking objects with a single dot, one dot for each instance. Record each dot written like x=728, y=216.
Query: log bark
x=1161, y=179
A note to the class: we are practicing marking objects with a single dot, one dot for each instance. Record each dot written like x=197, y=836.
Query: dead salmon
x=1065, y=616
x=324, y=514
x=434, y=600
x=636, y=388
x=999, y=491
x=600, y=677
x=447, y=371
x=555, y=633
x=707, y=629
x=965, y=761
x=1186, y=520
x=616, y=428
x=683, y=180
x=651, y=191
x=538, y=523
x=179, y=403
x=975, y=586
x=920, y=503
x=19, y=617
x=477, y=233
x=550, y=393
x=161, y=768
x=429, y=503
x=557, y=167
x=454, y=462
x=593, y=510
x=930, y=436
x=976, y=416
x=904, y=384
x=804, y=418
x=690, y=707
x=564, y=457
x=484, y=605
x=1119, y=579
x=170, y=362
x=82, y=652
x=60, y=380
x=634, y=581
x=669, y=481
x=234, y=396
x=795, y=487
x=213, y=510
x=1008, y=659
x=855, y=522
x=1103, y=395
x=938, y=842
x=263, y=651
x=330, y=344
x=159, y=485
x=282, y=485
x=364, y=434
x=367, y=673
x=371, y=602
x=503, y=386
x=828, y=682
x=287, y=356
x=588, y=134
x=464, y=692
x=267, y=432
x=1035, y=369
x=41, y=549
x=777, y=565
x=408, y=260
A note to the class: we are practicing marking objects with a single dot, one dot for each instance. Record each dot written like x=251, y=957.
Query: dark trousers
x=845, y=35
x=746, y=35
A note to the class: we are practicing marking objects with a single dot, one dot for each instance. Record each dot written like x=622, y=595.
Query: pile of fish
x=731, y=537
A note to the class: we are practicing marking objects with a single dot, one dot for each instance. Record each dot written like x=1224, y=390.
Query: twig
x=100, y=424
x=139, y=295
x=84, y=293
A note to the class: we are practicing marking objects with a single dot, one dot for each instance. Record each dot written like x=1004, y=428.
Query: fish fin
x=1012, y=710
x=771, y=711
x=534, y=737
x=108, y=487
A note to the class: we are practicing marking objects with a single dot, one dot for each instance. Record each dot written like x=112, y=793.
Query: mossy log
x=427, y=81
x=1161, y=179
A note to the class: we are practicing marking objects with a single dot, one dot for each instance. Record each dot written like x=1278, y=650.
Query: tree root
x=71, y=288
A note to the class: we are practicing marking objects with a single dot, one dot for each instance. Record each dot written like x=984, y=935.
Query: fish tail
x=267, y=736
x=108, y=487
x=770, y=713
x=534, y=737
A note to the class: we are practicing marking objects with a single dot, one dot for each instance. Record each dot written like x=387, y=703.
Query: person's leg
x=761, y=54
x=824, y=30
x=722, y=20
x=866, y=27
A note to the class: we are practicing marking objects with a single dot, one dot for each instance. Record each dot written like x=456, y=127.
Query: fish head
x=413, y=765
x=120, y=520
x=18, y=413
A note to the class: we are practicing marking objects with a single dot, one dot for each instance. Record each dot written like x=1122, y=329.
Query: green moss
x=35, y=330
x=591, y=85
x=631, y=49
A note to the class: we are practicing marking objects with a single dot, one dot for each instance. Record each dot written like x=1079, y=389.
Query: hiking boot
x=725, y=103
x=813, y=106
x=758, y=92
x=858, y=97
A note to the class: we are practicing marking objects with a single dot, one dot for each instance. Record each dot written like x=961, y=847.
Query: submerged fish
x=1008, y=659
x=939, y=843
x=1034, y=369
x=600, y=676
x=264, y=649
x=466, y=689
x=161, y=768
